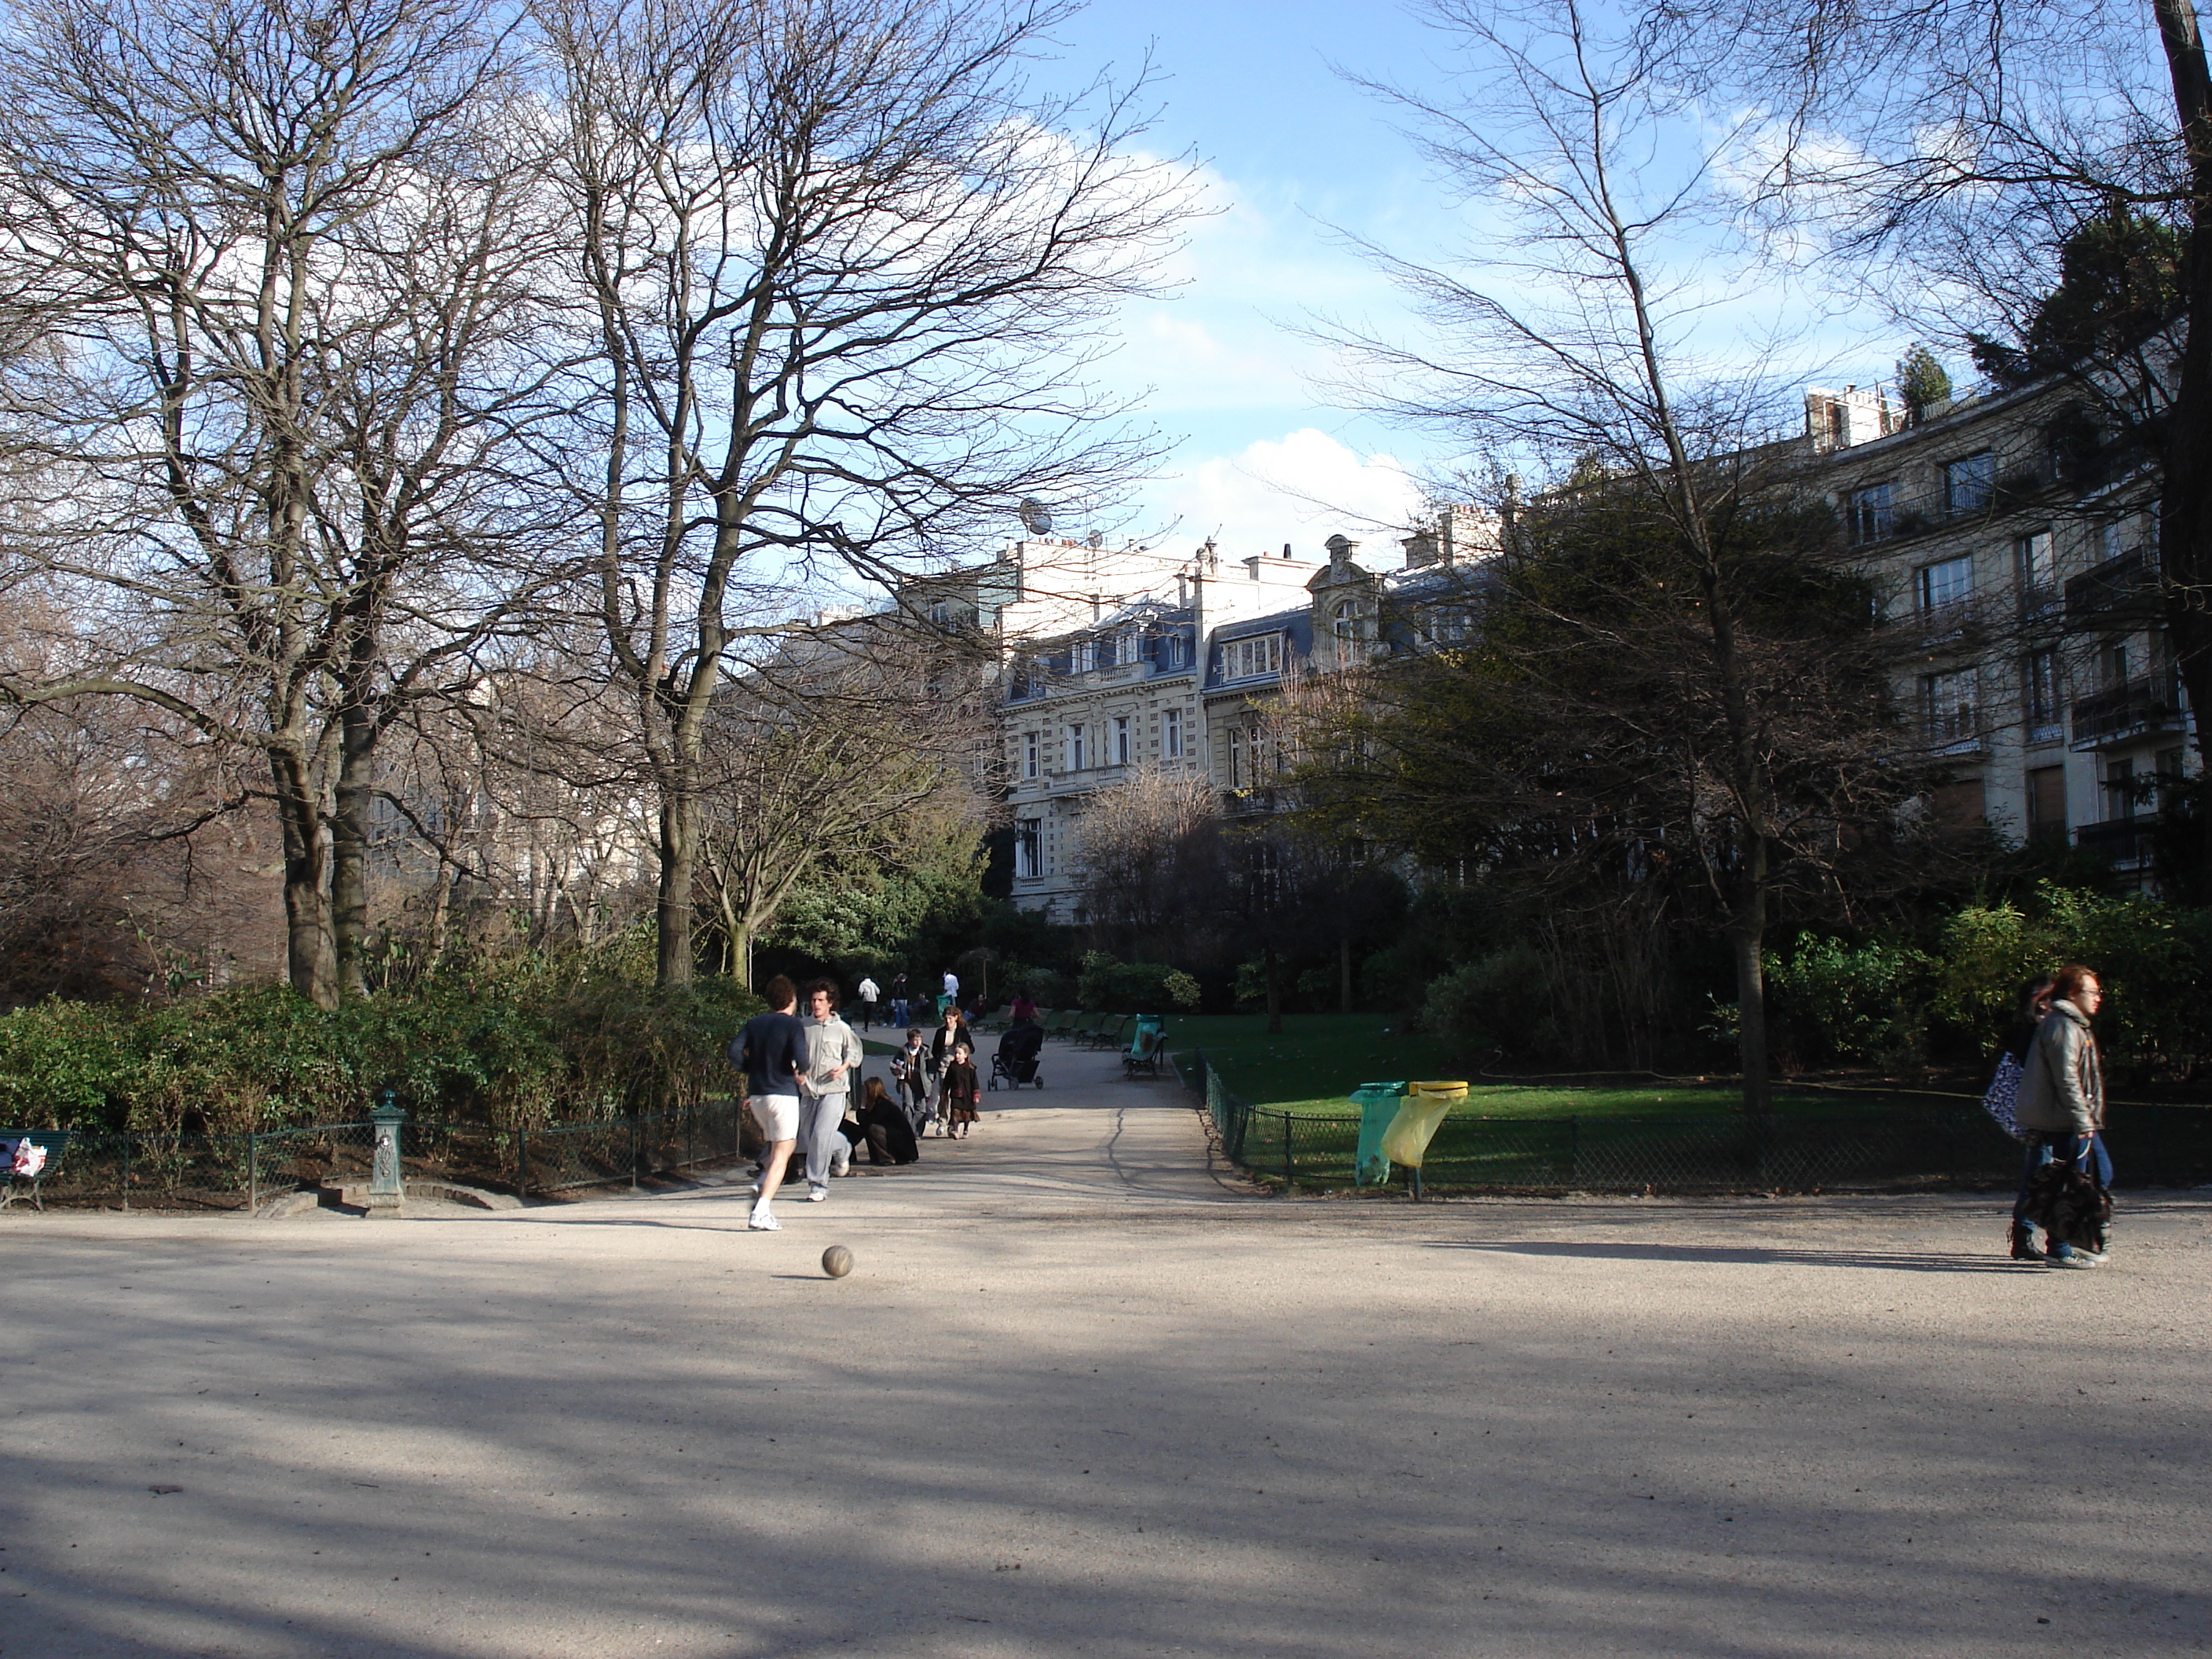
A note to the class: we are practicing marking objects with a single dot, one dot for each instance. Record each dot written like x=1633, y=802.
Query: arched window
x=1347, y=620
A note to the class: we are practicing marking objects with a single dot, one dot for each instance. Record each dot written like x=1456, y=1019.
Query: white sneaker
x=763, y=1220
x=815, y=1193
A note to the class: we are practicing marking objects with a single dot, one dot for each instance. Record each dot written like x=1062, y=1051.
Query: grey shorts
x=777, y=1115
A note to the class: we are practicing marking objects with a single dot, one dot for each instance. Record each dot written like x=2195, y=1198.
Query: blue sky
x=1292, y=149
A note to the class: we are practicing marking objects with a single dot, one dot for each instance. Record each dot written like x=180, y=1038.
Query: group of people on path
x=2050, y=1071
x=799, y=1075
x=902, y=1000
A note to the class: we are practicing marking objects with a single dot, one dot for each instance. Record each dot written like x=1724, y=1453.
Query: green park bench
x=51, y=1141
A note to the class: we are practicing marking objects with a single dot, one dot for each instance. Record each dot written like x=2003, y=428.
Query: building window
x=1079, y=755
x=1083, y=656
x=1236, y=757
x=1867, y=513
x=1029, y=846
x=2113, y=662
x=1032, y=753
x=1260, y=654
x=1946, y=583
x=1171, y=732
x=2120, y=795
x=1949, y=702
x=1347, y=622
x=1121, y=740
x=2046, y=801
x=2039, y=696
x=2167, y=767
x=2037, y=558
x=1970, y=485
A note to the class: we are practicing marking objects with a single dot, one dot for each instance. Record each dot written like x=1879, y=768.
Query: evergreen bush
x=518, y=1041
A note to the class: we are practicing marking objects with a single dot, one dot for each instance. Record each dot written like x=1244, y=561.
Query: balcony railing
x=2135, y=709
x=2126, y=841
x=2119, y=591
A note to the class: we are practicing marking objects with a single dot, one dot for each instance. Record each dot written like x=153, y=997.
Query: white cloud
x=1301, y=489
x=1247, y=280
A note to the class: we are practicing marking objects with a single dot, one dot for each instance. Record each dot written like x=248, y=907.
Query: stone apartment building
x=2023, y=578
x=1175, y=676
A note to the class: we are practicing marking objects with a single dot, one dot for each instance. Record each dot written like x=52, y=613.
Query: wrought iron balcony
x=2119, y=592
x=2137, y=709
x=2126, y=841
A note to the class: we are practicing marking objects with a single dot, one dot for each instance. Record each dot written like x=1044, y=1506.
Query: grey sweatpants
x=819, y=1134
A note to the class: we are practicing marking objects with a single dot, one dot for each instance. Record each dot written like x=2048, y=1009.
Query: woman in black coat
x=884, y=1129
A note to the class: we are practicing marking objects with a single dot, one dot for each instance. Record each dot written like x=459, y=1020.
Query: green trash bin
x=1378, y=1109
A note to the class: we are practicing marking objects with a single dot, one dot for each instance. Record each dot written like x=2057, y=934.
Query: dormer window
x=1244, y=658
x=1347, y=622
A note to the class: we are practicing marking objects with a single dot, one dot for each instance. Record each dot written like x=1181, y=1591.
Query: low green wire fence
x=243, y=1171
x=1872, y=1143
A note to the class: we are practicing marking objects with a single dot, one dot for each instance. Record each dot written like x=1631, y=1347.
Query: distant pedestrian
x=962, y=1095
x=951, y=996
x=771, y=1051
x=2062, y=1102
x=869, y=992
x=1023, y=1011
x=834, y=1060
x=899, y=1000
x=910, y=1072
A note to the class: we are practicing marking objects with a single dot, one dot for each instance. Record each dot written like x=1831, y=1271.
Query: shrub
x=1047, y=986
x=1137, y=987
x=525, y=1040
x=1850, y=1003
x=2153, y=959
x=1501, y=1002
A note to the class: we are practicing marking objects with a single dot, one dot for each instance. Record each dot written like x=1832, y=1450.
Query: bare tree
x=848, y=275
x=1140, y=852
x=1572, y=353
x=807, y=768
x=126, y=865
x=284, y=262
x=1957, y=148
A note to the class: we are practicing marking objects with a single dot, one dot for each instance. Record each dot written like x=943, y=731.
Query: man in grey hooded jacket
x=833, y=1070
x=2062, y=1102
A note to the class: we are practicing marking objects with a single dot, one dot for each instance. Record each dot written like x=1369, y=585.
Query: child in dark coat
x=963, y=1094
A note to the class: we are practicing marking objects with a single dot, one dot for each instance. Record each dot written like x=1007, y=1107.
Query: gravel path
x=1083, y=1395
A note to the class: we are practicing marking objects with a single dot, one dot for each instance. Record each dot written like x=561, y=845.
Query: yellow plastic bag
x=1426, y=1106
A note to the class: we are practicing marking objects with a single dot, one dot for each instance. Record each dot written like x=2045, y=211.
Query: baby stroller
x=1015, y=1059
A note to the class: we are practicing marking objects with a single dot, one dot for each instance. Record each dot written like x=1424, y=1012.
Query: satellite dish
x=1036, y=517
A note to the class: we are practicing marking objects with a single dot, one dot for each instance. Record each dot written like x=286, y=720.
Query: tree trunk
x=1344, y=973
x=349, y=849
x=2184, y=537
x=441, y=909
x=1748, y=943
x=1274, y=990
x=679, y=858
x=311, y=956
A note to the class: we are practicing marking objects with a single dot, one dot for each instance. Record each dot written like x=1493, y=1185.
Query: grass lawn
x=1317, y=1059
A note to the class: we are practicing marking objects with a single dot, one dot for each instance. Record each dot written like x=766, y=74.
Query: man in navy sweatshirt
x=771, y=1051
